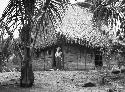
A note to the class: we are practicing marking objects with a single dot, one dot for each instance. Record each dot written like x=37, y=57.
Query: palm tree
x=25, y=14
x=107, y=12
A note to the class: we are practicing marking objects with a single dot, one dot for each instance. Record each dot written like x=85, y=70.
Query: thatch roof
x=78, y=23
x=77, y=26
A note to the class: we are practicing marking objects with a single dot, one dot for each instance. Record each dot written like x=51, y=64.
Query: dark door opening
x=54, y=59
x=98, y=59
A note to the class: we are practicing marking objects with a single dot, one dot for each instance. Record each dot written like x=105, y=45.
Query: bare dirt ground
x=58, y=81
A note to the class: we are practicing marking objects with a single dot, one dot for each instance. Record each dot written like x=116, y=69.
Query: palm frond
x=29, y=6
x=52, y=19
x=58, y=3
x=123, y=2
x=123, y=9
x=84, y=4
x=62, y=1
x=55, y=11
x=46, y=4
x=109, y=2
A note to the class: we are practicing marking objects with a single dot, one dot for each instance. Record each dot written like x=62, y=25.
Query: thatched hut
x=79, y=38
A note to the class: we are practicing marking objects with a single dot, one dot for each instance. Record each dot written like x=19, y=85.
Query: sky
x=3, y=4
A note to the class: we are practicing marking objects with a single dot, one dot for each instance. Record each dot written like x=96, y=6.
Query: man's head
x=58, y=48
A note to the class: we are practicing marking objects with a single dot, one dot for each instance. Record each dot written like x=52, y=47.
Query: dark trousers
x=58, y=63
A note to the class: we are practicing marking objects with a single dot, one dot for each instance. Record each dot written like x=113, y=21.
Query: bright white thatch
x=77, y=23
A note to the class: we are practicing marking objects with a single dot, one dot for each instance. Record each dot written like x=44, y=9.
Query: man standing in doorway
x=58, y=56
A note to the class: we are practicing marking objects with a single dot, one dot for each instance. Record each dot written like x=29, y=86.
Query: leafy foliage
x=107, y=12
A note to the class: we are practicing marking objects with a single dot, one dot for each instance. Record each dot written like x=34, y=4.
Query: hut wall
x=104, y=60
x=74, y=57
x=77, y=58
x=116, y=59
x=48, y=59
x=109, y=62
x=44, y=61
x=113, y=60
x=70, y=57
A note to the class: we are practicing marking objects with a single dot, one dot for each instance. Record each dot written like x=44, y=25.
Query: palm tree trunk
x=27, y=76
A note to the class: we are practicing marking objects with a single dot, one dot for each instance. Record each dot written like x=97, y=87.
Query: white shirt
x=58, y=54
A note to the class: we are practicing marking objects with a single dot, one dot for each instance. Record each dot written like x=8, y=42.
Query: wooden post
x=62, y=57
x=85, y=59
x=77, y=62
x=44, y=59
x=53, y=57
x=80, y=54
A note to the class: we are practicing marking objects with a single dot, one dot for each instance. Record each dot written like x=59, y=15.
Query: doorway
x=54, y=59
x=57, y=58
x=98, y=59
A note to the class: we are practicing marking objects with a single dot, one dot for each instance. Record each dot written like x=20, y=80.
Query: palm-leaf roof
x=77, y=26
